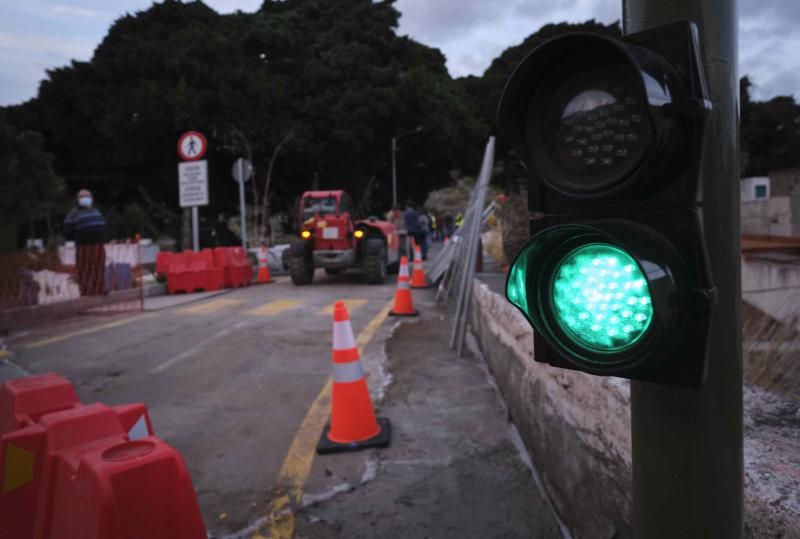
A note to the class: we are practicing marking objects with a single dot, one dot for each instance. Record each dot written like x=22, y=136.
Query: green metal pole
x=687, y=444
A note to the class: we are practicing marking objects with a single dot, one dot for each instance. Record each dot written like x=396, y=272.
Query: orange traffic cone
x=263, y=268
x=418, y=279
x=353, y=423
x=446, y=240
x=403, y=304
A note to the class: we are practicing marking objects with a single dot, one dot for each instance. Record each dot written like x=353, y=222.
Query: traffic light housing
x=615, y=278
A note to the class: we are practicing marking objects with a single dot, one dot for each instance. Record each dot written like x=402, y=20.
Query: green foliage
x=485, y=92
x=27, y=174
x=333, y=73
x=770, y=133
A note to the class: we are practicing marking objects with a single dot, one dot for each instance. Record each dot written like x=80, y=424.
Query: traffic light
x=615, y=278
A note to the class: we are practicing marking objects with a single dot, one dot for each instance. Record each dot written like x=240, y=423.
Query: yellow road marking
x=369, y=330
x=275, y=307
x=351, y=304
x=65, y=336
x=297, y=464
x=4, y=353
x=210, y=307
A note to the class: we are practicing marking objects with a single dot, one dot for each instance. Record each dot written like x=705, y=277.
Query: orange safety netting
x=37, y=286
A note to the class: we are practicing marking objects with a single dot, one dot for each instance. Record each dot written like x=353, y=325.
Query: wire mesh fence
x=38, y=286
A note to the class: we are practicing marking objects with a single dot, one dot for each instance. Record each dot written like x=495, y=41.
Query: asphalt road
x=227, y=380
x=239, y=384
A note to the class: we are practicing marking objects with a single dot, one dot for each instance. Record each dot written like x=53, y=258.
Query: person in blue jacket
x=86, y=226
x=411, y=217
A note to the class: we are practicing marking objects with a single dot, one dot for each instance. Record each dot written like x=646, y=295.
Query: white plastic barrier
x=120, y=253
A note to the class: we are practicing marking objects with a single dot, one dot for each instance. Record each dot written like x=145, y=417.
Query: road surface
x=239, y=383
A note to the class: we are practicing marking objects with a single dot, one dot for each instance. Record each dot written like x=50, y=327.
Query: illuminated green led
x=600, y=298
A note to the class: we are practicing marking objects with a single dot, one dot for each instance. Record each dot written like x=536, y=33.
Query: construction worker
x=86, y=226
x=395, y=216
x=410, y=216
x=423, y=231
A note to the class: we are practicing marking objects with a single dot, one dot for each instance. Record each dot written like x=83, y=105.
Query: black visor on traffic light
x=597, y=111
x=605, y=295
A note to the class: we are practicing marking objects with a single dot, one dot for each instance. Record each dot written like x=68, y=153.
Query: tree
x=334, y=74
x=28, y=180
x=485, y=91
x=770, y=133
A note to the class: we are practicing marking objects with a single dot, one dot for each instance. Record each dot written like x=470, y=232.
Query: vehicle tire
x=301, y=269
x=333, y=271
x=286, y=259
x=375, y=262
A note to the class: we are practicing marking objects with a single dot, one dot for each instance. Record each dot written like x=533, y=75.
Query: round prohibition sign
x=192, y=146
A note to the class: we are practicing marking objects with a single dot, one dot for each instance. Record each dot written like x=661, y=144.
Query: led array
x=601, y=298
x=598, y=130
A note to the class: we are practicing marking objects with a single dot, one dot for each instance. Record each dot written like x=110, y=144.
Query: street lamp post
x=394, y=160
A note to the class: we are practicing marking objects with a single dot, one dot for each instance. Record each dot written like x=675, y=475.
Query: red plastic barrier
x=179, y=275
x=189, y=271
x=213, y=275
x=163, y=260
x=24, y=401
x=88, y=471
x=233, y=260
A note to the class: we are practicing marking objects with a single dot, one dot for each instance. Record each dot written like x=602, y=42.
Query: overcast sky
x=39, y=34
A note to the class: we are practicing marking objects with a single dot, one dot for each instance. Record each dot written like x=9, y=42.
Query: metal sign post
x=242, y=170
x=195, y=229
x=193, y=178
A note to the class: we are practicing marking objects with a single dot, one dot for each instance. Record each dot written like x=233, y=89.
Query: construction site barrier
x=38, y=286
x=233, y=260
x=75, y=471
x=207, y=270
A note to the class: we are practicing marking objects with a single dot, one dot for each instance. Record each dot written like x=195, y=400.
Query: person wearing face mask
x=86, y=226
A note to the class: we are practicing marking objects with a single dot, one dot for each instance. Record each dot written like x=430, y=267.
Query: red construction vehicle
x=331, y=239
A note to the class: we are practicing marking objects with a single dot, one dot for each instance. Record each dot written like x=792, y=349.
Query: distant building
x=771, y=204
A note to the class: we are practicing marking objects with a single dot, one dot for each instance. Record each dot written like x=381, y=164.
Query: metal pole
x=394, y=171
x=687, y=444
x=242, y=208
x=195, y=229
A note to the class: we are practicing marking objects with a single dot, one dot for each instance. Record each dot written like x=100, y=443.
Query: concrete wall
x=577, y=430
x=576, y=426
x=768, y=217
x=777, y=215
x=784, y=182
x=773, y=287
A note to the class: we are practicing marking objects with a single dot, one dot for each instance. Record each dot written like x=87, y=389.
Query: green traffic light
x=600, y=298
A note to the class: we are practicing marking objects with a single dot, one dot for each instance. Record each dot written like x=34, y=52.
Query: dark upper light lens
x=600, y=298
x=599, y=130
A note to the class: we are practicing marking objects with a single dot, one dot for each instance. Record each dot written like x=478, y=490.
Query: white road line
x=191, y=351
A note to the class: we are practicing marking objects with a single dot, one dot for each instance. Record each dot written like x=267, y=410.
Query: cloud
x=768, y=45
x=44, y=44
x=74, y=11
x=230, y=6
x=471, y=33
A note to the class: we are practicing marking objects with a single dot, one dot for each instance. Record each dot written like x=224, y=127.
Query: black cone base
x=382, y=439
x=415, y=313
